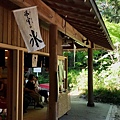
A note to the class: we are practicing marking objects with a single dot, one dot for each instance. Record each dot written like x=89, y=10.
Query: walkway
x=80, y=111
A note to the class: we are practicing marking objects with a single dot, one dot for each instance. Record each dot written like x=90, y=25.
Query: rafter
x=74, y=14
x=78, y=20
x=82, y=17
x=73, y=23
x=90, y=31
x=69, y=3
x=72, y=9
x=83, y=22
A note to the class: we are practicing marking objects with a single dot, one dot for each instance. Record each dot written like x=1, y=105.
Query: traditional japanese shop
x=76, y=23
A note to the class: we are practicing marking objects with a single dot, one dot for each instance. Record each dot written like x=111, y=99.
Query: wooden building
x=80, y=20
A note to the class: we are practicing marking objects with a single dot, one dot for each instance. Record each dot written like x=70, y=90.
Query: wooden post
x=9, y=85
x=53, y=35
x=90, y=78
x=15, y=84
x=21, y=83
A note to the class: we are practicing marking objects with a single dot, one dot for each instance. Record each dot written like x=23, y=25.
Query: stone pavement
x=117, y=114
x=80, y=110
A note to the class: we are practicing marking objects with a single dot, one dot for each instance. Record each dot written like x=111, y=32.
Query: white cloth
x=34, y=60
x=27, y=20
x=37, y=88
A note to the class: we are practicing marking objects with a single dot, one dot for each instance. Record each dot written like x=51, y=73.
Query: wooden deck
x=36, y=114
x=64, y=105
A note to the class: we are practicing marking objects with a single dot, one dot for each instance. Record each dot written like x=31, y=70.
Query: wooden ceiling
x=83, y=20
x=84, y=16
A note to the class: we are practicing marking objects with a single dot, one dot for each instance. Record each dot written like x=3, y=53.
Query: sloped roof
x=85, y=17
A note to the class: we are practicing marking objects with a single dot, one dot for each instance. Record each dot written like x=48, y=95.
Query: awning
x=85, y=17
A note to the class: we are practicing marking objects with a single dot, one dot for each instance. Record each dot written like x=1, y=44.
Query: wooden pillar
x=90, y=78
x=21, y=83
x=9, y=85
x=53, y=35
x=15, y=84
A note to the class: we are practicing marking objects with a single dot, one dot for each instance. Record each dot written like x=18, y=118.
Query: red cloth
x=45, y=86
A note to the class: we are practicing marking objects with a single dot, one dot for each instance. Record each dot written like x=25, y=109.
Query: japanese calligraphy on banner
x=27, y=20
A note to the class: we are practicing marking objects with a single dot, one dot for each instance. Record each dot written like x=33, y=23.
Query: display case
x=64, y=103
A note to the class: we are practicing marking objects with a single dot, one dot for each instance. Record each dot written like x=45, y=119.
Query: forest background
x=106, y=64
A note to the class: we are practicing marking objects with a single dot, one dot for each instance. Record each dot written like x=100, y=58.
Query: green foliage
x=43, y=78
x=70, y=56
x=106, y=74
x=114, y=31
x=72, y=74
x=82, y=79
x=107, y=96
x=106, y=84
x=110, y=9
x=81, y=59
x=101, y=60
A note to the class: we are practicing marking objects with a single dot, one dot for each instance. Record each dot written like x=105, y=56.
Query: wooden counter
x=64, y=103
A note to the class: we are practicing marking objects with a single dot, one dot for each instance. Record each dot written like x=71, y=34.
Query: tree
x=110, y=9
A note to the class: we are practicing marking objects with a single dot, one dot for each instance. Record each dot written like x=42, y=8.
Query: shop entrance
x=4, y=62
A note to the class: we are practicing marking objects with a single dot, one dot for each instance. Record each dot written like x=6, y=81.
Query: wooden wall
x=59, y=47
x=10, y=34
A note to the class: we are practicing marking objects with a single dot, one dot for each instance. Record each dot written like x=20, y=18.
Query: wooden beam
x=1, y=24
x=9, y=86
x=18, y=0
x=8, y=4
x=20, y=48
x=21, y=83
x=48, y=15
x=15, y=84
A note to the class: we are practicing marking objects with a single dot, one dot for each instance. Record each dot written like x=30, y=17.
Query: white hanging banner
x=74, y=53
x=27, y=20
x=34, y=60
